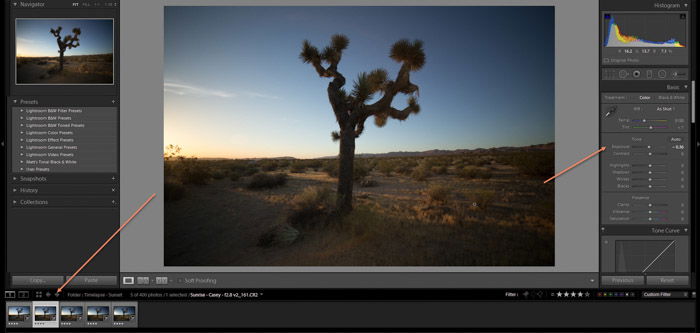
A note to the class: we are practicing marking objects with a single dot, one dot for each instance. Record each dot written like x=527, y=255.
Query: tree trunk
x=60, y=60
x=345, y=170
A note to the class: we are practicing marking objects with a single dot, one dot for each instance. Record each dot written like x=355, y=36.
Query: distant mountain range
x=434, y=152
x=437, y=152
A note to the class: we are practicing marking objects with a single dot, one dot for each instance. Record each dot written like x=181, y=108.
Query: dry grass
x=438, y=193
x=503, y=218
x=267, y=180
x=83, y=69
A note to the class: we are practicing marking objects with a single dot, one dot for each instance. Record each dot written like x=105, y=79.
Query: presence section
x=261, y=170
x=64, y=51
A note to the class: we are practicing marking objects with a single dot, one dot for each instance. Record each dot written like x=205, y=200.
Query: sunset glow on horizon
x=234, y=86
x=35, y=40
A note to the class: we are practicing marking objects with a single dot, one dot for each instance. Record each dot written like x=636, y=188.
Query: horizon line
x=359, y=153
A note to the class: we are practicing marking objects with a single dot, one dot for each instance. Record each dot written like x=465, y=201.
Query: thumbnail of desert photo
x=64, y=51
x=358, y=136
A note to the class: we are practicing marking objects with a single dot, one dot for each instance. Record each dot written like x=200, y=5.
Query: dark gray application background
x=576, y=235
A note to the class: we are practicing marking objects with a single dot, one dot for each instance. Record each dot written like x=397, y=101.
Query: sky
x=13, y=310
x=92, y=310
x=44, y=310
x=124, y=310
x=65, y=310
x=234, y=86
x=34, y=38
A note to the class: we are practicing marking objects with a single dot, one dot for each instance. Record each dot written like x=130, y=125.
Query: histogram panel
x=645, y=30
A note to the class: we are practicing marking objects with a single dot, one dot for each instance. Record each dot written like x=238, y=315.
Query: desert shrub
x=482, y=199
x=314, y=164
x=438, y=193
x=269, y=165
x=484, y=173
x=482, y=160
x=283, y=163
x=371, y=163
x=266, y=180
x=300, y=166
x=330, y=167
x=311, y=206
x=173, y=191
x=53, y=69
x=191, y=171
x=537, y=163
x=467, y=172
x=234, y=175
x=239, y=169
x=297, y=167
x=251, y=171
x=360, y=170
x=420, y=173
x=280, y=235
x=471, y=172
x=404, y=169
x=439, y=170
x=386, y=166
x=184, y=170
x=544, y=208
x=368, y=183
x=218, y=174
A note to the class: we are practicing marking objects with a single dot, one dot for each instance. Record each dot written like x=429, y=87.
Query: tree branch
x=331, y=54
x=338, y=99
x=360, y=126
x=383, y=109
x=403, y=114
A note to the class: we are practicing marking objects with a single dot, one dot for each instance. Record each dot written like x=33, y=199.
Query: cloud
x=26, y=40
x=259, y=95
x=186, y=89
x=182, y=89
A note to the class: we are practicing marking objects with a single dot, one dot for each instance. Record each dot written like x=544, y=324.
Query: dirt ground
x=219, y=224
x=44, y=71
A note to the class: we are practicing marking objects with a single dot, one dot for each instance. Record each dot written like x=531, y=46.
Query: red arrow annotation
x=107, y=241
x=575, y=164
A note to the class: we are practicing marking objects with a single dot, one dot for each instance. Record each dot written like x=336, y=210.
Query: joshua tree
x=68, y=42
x=45, y=311
x=351, y=109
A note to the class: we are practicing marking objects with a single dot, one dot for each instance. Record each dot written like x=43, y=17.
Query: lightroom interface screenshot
x=350, y=165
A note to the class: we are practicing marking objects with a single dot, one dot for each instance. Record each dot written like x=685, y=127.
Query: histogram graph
x=645, y=30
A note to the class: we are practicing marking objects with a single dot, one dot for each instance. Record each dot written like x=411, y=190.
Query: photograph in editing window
x=44, y=313
x=359, y=136
x=64, y=51
x=18, y=313
x=71, y=313
x=124, y=313
x=97, y=313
